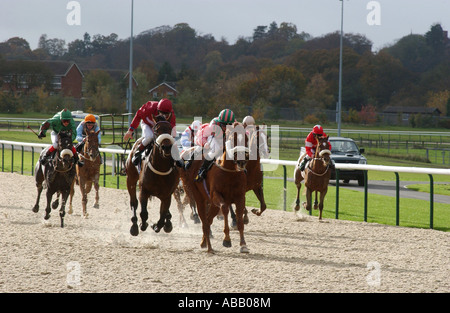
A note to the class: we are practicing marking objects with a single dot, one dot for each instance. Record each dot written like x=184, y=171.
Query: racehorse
x=88, y=174
x=58, y=175
x=225, y=183
x=157, y=177
x=317, y=176
x=258, y=149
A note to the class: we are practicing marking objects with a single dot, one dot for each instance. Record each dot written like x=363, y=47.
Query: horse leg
x=143, y=198
x=298, y=183
x=49, y=200
x=96, y=187
x=131, y=186
x=308, y=199
x=226, y=229
x=233, y=218
x=55, y=203
x=322, y=198
x=258, y=191
x=177, y=196
x=168, y=223
x=315, y=201
x=62, y=212
x=39, y=178
x=83, y=196
x=72, y=192
x=240, y=207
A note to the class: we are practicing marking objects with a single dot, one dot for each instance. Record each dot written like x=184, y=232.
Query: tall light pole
x=339, y=110
x=130, y=72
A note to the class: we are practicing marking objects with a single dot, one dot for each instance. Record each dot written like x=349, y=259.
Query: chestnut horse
x=157, y=177
x=225, y=183
x=258, y=149
x=58, y=175
x=88, y=174
x=317, y=176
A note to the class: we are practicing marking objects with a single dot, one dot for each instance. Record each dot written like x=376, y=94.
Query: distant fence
x=119, y=153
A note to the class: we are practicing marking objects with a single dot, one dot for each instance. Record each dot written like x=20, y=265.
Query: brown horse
x=258, y=149
x=181, y=203
x=225, y=183
x=157, y=177
x=88, y=174
x=317, y=176
x=58, y=175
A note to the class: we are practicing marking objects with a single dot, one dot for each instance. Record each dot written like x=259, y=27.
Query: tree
x=166, y=73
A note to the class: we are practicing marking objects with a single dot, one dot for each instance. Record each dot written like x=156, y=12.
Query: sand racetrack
x=288, y=254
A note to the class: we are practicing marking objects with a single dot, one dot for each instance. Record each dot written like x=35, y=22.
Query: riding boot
x=137, y=158
x=188, y=163
x=303, y=163
x=179, y=163
x=79, y=146
x=203, y=169
x=45, y=157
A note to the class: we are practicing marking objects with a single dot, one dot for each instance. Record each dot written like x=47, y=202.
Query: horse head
x=236, y=145
x=65, y=145
x=164, y=140
x=323, y=150
x=91, y=145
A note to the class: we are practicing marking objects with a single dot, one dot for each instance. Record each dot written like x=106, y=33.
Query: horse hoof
x=244, y=249
x=196, y=219
x=234, y=225
x=227, y=243
x=246, y=220
x=168, y=227
x=35, y=209
x=55, y=204
x=297, y=207
x=96, y=206
x=144, y=226
x=70, y=211
x=156, y=228
x=85, y=215
x=134, y=231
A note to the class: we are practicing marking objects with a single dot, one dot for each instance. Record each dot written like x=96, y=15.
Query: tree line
x=277, y=67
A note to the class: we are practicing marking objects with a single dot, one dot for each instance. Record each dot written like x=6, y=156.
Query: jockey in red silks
x=145, y=117
x=311, y=145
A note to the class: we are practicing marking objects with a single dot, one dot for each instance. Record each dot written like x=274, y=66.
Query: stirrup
x=201, y=175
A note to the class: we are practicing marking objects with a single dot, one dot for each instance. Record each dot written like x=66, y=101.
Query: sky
x=382, y=21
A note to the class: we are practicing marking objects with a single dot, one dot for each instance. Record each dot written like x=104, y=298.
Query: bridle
x=320, y=155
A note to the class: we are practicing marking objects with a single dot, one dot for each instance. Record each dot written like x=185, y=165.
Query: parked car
x=345, y=150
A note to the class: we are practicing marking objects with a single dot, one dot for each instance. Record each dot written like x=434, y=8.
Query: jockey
x=61, y=121
x=208, y=139
x=188, y=136
x=145, y=116
x=311, y=145
x=89, y=124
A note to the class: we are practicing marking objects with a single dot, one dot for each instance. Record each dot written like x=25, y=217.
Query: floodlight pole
x=339, y=113
x=130, y=72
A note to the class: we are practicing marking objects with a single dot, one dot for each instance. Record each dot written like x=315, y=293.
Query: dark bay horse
x=88, y=174
x=225, y=183
x=316, y=174
x=157, y=177
x=58, y=175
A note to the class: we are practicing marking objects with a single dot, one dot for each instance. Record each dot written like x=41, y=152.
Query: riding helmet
x=226, y=116
x=318, y=130
x=90, y=118
x=248, y=120
x=165, y=105
x=66, y=114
